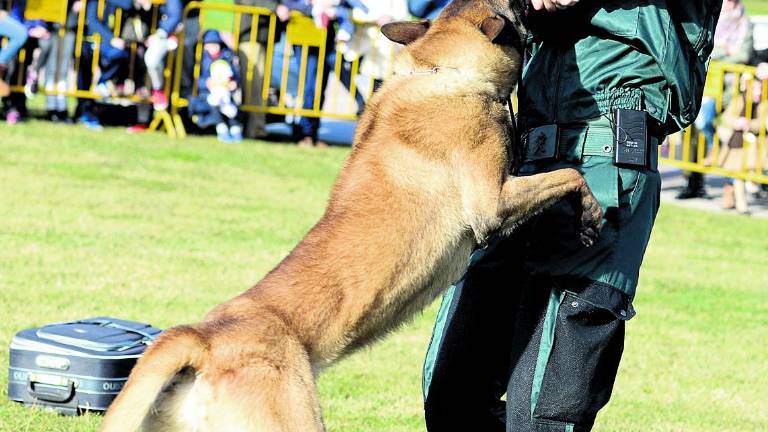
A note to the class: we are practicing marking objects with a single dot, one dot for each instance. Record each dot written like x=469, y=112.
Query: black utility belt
x=625, y=137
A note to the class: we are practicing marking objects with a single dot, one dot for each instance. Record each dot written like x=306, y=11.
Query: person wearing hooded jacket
x=215, y=104
x=538, y=316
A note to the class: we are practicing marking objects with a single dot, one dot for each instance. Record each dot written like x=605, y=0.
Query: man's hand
x=552, y=5
x=283, y=13
x=38, y=32
x=117, y=43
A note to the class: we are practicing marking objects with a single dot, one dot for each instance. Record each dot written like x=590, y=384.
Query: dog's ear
x=405, y=32
x=492, y=27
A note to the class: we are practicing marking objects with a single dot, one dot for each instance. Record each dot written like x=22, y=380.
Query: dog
x=428, y=178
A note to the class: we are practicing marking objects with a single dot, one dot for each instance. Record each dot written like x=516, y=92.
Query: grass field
x=145, y=228
x=757, y=7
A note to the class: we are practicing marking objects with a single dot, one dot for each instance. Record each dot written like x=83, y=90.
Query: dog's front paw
x=591, y=219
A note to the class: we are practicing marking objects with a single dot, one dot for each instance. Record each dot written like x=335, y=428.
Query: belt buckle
x=542, y=143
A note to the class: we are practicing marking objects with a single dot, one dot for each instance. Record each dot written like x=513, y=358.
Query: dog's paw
x=591, y=219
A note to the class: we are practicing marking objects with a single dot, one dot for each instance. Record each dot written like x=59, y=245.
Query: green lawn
x=149, y=229
x=757, y=7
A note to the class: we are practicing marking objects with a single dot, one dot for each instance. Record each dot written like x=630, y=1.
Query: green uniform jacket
x=649, y=54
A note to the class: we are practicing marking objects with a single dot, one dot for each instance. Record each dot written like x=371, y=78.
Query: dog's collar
x=431, y=71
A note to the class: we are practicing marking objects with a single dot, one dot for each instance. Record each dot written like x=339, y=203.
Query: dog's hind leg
x=264, y=396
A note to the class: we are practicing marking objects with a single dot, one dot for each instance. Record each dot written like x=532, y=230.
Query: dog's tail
x=176, y=349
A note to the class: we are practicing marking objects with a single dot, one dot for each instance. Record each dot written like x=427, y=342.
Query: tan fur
x=426, y=179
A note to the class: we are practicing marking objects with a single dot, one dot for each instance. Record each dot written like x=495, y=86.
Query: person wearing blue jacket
x=16, y=35
x=428, y=9
x=15, y=104
x=113, y=51
x=219, y=79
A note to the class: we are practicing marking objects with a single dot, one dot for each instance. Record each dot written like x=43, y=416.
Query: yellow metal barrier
x=56, y=11
x=300, y=32
x=689, y=150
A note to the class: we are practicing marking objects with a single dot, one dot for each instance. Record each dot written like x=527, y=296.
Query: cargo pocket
x=584, y=357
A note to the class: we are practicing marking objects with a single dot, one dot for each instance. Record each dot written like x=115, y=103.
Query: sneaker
x=137, y=128
x=159, y=100
x=689, y=193
x=104, y=90
x=222, y=133
x=236, y=134
x=90, y=122
x=12, y=117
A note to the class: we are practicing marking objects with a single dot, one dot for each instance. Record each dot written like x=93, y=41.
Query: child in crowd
x=215, y=104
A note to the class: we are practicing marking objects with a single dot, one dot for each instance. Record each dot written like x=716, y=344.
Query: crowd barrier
x=87, y=49
x=268, y=88
x=300, y=39
x=692, y=151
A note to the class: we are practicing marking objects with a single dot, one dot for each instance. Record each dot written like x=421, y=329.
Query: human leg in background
x=16, y=34
x=253, y=58
x=191, y=37
x=154, y=58
x=112, y=60
x=86, y=107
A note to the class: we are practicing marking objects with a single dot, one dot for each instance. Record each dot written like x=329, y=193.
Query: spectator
x=113, y=52
x=733, y=44
x=16, y=34
x=368, y=45
x=253, y=57
x=135, y=27
x=325, y=11
x=56, y=54
x=158, y=45
x=309, y=126
x=734, y=130
x=428, y=9
x=16, y=104
x=215, y=103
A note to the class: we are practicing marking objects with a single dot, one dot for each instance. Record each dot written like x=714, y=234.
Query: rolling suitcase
x=75, y=366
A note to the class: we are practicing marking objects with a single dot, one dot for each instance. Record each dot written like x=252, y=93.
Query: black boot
x=695, y=187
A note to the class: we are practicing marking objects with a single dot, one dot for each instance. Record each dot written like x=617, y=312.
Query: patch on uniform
x=541, y=143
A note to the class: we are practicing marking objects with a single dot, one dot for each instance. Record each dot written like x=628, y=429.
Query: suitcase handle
x=49, y=393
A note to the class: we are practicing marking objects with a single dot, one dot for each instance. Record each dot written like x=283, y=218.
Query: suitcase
x=75, y=366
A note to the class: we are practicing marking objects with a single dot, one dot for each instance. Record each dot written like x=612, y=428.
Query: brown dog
x=427, y=179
